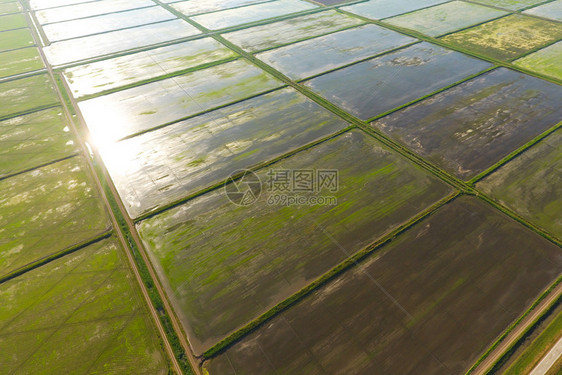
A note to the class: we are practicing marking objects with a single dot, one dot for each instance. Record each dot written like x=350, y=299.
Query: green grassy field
x=545, y=61
x=26, y=94
x=78, y=314
x=19, y=61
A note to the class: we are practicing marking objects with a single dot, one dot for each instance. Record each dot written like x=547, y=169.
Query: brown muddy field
x=428, y=303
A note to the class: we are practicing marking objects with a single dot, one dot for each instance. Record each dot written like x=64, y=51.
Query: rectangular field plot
x=251, y=13
x=44, y=4
x=19, y=61
x=117, y=41
x=10, y=7
x=125, y=70
x=314, y=56
x=510, y=4
x=88, y=9
x=469, y=127
x=223, y=264
x=47, y=210
x=444, y=18
x=545, y=61
x=12, y=21
x=552, y=10
x=429, y=302
x=101, y=24
x=123, y=113
x=288, y=31
x=531, y=184
x=80, y=314
x=26, y=94
x=14, y=39
x=508, y=37
x=32, y=140
x=375, y=86
x=190, y=8
x=159, y=167
x=378, y=9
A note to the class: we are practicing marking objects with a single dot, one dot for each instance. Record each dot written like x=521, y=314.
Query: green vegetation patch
x=377, y=9
x=510, y=4
x=507, y=38
x=123, y=113
x=444, y=289
x=20, y=61
x=530, y=184
x=35, y=139
x=552, y=10
x=120, y=71
x=78, y=314
x=444, y=18
x=256, y=12
x=224, y=264
x=26, y=94
x=545, y=61
x=44, y=211
x=157, y=168
x=13, y=39
x=12, y=21
x=375, y=86
x=314, y=56
x=279, y=33
x=10, y=7
x=471, y=126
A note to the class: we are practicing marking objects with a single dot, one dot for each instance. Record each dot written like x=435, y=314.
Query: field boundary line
x=59, y=254
x=70, y=156
x=325, y=278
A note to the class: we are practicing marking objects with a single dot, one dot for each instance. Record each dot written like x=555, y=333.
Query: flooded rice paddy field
x=404, y=102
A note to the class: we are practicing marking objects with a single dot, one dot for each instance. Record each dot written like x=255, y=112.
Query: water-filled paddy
x=444, y=18
x=190, y=8
x=43, y=4
x=430, y=302
x=13, y=39
x=225, y=264
x=545, y=61
x=530, y=184
x=109, y=74
x=551, y=10
x=251, y=13
x=88, y=9
x=25, y=94
x=117, y=41
x=104, y=23
x=47, y=210
x=123, y=113
x=78, y=314
x=469, y=127
x=377, y=9
x=508, y=37
x=372, y=87
x=34, y=139
x=314, y=56
x=19, y=61
x=159, y=167
x=279, y=33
